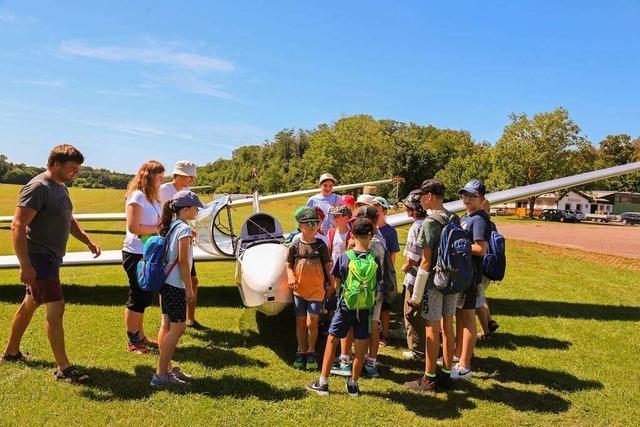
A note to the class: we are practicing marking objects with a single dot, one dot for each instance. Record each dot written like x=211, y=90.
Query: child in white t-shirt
x=177, y=290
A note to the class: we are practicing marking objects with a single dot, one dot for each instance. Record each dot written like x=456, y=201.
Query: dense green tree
x=535, y=149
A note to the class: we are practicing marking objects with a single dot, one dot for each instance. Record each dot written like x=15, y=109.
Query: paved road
x=607, y=239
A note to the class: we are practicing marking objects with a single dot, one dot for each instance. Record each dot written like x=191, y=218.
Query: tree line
x=12, y=173
x=359, y=148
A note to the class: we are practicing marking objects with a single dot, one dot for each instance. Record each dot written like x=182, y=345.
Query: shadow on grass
x=110, y=384
x=513, y=342
x=430, y=406
x=115, y=295
x=214, y=357
x=274, y=332
x=569, y=310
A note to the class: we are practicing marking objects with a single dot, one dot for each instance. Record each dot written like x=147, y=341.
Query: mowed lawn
x=565, y=352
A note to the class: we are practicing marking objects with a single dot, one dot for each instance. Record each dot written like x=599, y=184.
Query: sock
x=353, y=382
x=371, y=361
x=134, y=337
x=446, y=371
x=323, y=380
x=344, y=358
x=430, y=377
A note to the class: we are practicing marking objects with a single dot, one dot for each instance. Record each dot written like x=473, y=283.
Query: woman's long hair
x=143, y=181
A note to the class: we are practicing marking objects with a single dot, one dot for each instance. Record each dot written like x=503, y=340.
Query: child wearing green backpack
x=357, y=272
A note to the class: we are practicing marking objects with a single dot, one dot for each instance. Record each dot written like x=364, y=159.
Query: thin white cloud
x=121, y=93
x=170, y=55
x=9, y=18
x=139, y=129
x=189, y=83
x=44, y=83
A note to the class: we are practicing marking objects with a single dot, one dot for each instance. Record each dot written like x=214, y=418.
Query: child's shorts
x=436, y=304
x=173, y=303
x=344, y=319
x=302, y=306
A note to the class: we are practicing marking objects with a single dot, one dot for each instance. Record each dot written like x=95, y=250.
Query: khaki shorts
x=436, y=304
x=377, y=309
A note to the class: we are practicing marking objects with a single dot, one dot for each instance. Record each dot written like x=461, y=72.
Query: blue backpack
x=150, y=269
x=494, y=263
x=453, y=272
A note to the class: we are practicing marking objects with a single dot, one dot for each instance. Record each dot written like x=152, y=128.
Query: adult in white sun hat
x=325, y=200
x=184, y=174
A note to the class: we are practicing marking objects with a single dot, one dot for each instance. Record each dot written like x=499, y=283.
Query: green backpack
x=359, y=290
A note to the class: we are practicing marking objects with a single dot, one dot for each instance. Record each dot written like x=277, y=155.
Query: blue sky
x=130, y=81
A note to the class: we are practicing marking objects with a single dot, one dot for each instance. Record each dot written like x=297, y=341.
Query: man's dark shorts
x=344, y=319
x=47, y=286
x=138, y=299
x=173, y=303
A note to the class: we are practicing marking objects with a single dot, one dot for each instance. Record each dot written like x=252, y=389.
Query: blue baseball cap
x=473, y=187
x=186, y=198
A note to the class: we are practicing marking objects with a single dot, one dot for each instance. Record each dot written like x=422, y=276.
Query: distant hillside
x=13, y=173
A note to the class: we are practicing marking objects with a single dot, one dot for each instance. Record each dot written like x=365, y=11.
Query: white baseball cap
x=185, y=168
x=364, y=199
x=326, y=177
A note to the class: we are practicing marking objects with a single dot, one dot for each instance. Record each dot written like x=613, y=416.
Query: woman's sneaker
x=460, y=373
x=424, y=384
x=312, y=362
x=137, y=348
x=322, y=390
x=300, y=361
x=166, y=380
x=352, y=388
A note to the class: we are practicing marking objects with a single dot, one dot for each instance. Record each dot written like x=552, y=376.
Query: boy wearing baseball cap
x=309, y=276
x=344, y=318
x=184, y=174
x=478, y=226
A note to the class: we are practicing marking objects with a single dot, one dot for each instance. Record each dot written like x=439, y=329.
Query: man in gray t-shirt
x=39, y=232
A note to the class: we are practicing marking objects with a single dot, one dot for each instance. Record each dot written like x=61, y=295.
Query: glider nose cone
x=264, y=278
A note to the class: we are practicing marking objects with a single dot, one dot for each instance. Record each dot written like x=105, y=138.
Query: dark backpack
x=453, y=272
x=494, y=262
x=150, y=270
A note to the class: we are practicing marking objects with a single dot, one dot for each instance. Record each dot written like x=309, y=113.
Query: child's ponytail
x=168, y=210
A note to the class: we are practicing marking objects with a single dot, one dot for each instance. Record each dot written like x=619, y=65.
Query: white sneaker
x=410, y=355
x=460, y=373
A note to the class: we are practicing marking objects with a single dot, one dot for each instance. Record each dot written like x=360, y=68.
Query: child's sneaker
x=443, y=380
x=412, y=356
x=166, y=380
x=183, y=376
x=312, y=362
x=137, y=348
x=371, y=370
x=341, y=369
x=352, y=388
x=460, y=373
x=300, y=361
x=322, y=390
x=424, y=384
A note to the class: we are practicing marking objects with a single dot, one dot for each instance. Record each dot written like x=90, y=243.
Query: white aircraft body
x=260, y=254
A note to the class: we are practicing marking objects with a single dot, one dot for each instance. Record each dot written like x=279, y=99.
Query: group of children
x=347, y=271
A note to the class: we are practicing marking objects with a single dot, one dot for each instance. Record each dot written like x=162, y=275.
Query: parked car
x=580, y=216
x=556, y=215
x=628, y=218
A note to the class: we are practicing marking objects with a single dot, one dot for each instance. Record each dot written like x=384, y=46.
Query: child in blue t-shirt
x=344, y=319
x=177, y=290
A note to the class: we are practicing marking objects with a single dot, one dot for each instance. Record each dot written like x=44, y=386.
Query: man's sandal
x=12, y=358
x=70, y=374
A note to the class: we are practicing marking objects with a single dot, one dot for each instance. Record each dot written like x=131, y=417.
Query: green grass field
x=564, y=355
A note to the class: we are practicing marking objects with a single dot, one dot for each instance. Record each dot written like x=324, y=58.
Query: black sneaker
x=443, y=380
x=322, y=390
x=195, y=325
x=423, y=384
x=353, y=389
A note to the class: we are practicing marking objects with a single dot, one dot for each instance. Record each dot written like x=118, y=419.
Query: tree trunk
x=532, y=205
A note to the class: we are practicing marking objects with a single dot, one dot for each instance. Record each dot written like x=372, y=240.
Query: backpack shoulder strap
x=439, y=217
x=351, y=255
